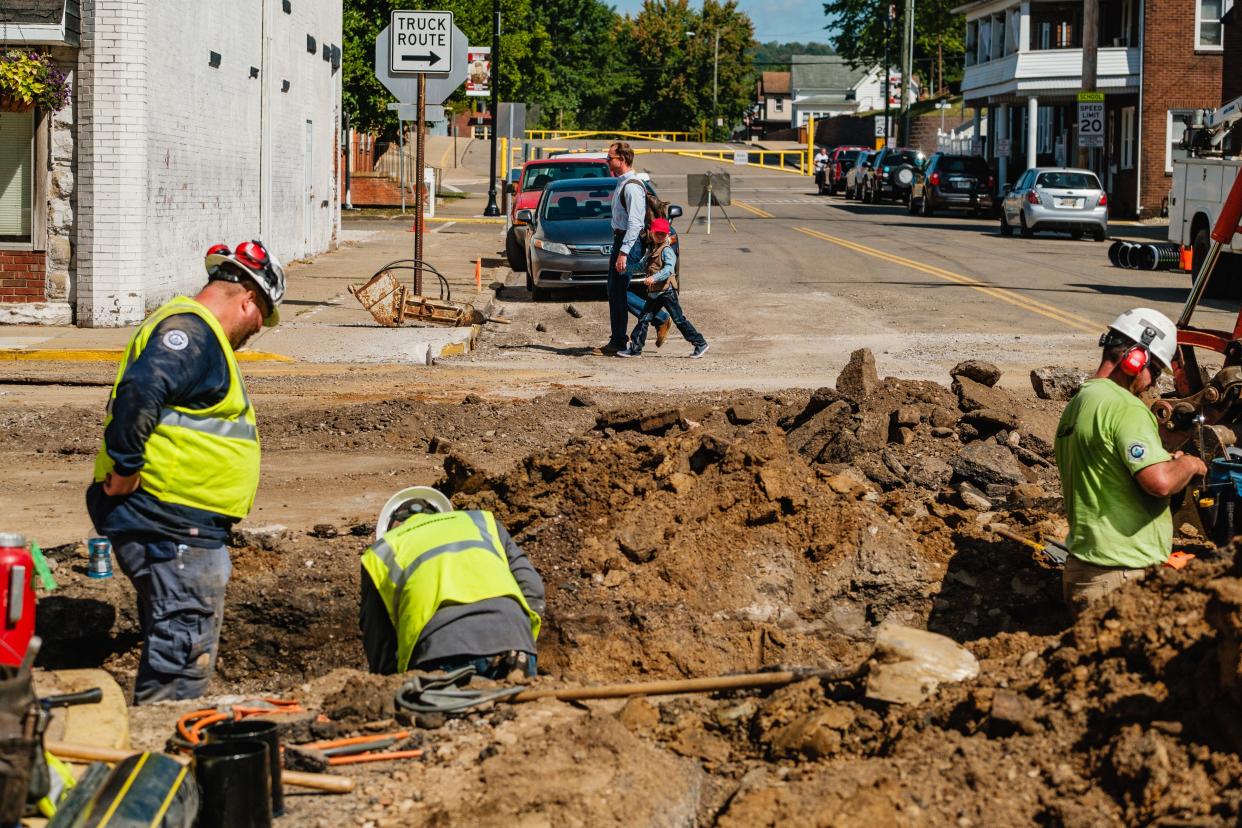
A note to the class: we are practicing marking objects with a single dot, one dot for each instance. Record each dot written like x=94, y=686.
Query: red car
x=840, y=162
x=536, y=175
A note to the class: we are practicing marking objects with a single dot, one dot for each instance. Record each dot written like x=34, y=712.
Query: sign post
x=419, y=56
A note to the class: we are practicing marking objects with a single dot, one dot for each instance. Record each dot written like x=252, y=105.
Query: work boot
x=605, y=350
x=662, y=331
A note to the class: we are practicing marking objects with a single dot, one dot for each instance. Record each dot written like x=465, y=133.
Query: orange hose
x=374, y=757
x=354, y=740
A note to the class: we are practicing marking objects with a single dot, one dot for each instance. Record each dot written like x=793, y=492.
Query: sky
x=780, y=20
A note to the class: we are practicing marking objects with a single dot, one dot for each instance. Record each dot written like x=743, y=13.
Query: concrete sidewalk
x=321, y=322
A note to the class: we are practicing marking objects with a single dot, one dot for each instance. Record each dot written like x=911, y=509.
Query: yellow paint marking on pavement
x=753, y=209
x=1072, y=320
x=466, y=219
x=109, y=355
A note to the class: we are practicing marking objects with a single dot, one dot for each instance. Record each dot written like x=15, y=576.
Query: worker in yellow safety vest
x=179, y=464
x=442, y=589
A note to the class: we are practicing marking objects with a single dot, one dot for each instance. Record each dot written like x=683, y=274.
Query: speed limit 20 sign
x=1090, y=119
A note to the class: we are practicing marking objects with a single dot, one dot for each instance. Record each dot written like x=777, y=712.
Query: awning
x=40, y=22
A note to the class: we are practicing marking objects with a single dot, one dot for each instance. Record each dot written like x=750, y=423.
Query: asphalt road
x=797, y=281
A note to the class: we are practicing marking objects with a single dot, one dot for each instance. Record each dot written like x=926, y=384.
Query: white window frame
x=780, y=104
x=1172, y=115
x=1127, y=138
x=1199, y=21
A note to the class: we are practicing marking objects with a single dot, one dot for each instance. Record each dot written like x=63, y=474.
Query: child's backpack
x=655, y=209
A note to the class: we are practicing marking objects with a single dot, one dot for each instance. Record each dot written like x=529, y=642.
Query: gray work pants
x=180, y=607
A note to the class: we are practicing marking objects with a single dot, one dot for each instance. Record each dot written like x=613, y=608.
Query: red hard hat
x=252, y=260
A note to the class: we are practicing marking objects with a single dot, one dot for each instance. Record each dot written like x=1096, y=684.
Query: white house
x=189, y=123
x=824, y=86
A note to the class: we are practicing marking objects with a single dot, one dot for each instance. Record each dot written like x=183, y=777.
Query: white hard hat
x=1151, y=329
x=433, y=500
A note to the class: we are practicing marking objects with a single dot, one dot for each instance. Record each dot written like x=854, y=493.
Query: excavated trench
x=723, y=535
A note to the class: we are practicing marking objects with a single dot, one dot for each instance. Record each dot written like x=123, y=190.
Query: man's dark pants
x=180, y=608
x=618, y=284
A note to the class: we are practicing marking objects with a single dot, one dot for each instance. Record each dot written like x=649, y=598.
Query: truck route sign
x=420, y=41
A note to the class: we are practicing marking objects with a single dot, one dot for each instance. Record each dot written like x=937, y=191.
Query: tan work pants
x=1083, y=583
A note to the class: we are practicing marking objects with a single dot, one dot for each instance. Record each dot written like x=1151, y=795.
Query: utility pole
x=715, y=73
x=888, y=25
x=1090, y=52
x=492, y=209
x=907, y=66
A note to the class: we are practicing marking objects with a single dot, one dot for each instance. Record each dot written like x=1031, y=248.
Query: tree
x=670, y=70
x=586, y=62
x=860, y=31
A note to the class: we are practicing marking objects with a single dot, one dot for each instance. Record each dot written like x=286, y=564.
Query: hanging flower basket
x=8, y=103
x=30, y=79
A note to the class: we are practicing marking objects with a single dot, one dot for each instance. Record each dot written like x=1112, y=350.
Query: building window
x=1175, y=127
x=1127, y=138
x=16, y=175
x=780, y=104
x=972, y=42
x=1209, y=33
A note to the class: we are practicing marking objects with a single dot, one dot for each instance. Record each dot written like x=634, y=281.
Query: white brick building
x=190, y=123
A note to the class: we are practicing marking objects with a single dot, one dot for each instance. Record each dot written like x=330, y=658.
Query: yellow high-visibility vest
x=207, y=458
x=437, y=559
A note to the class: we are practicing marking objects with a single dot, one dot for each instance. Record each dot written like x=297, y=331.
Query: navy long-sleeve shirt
x=181, y=365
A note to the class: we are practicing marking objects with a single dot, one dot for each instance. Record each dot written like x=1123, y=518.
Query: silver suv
x=1056, y=198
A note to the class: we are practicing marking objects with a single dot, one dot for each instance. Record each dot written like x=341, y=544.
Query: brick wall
x=1175, y=76
x=23, y=276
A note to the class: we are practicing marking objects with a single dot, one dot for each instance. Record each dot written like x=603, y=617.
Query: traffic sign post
x=1090, y=119
x=420, y=57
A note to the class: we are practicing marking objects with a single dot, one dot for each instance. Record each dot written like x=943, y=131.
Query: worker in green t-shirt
x=1116, y=477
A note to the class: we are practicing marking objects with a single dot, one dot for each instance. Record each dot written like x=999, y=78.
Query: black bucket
x=264, y=731
x=234, y=785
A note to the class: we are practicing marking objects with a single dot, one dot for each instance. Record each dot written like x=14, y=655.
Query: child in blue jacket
x=661, y=285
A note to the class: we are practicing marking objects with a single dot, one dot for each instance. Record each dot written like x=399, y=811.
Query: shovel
x=906, y=665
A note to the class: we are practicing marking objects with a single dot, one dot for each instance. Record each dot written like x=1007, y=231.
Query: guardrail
x=790, y=161
x=670, y=136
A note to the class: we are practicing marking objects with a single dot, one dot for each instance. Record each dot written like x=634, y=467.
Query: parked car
x=1056, y=198
x=952, y=182
x=857, y=174
x=891, y=174
x=525, y=194
x=570, y=238
x=840, y=161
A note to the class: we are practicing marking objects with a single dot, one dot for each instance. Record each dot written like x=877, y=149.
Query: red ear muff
x=1134, y=361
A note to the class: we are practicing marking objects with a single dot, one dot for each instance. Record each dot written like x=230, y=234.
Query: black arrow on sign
x=431, y=59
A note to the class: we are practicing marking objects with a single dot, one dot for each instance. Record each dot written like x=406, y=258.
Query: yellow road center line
x=753, y=209
x=109, y=355
x=1064, y=317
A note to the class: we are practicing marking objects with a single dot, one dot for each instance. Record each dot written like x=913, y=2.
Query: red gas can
x=17, y=598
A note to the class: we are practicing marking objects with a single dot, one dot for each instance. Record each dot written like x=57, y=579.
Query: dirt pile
x=696, y=540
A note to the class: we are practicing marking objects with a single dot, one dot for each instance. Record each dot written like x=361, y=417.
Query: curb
x=109, y=355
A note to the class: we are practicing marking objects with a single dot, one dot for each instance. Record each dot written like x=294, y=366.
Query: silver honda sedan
x=1056, y=198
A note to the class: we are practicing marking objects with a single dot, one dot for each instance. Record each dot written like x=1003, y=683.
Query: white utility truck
x=1201, y=181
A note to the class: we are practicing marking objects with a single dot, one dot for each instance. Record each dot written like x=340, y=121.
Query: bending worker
x=179, y=464
x=1116, y=477
x=442, y=589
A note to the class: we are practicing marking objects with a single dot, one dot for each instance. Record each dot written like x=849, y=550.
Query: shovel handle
x=91, y=753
